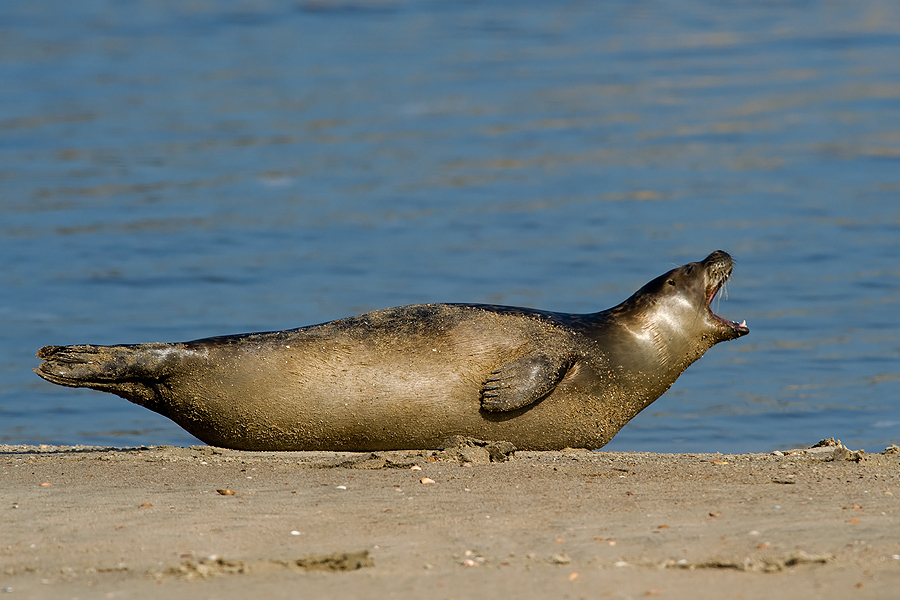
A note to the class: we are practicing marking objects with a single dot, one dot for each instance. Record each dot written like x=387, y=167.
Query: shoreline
x=165, y=521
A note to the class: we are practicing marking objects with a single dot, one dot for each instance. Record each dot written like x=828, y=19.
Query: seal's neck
x=648, y=343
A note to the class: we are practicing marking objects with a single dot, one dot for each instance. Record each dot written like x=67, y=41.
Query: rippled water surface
x=175, y=170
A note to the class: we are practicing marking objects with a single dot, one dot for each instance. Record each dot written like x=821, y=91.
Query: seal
x=413, y=376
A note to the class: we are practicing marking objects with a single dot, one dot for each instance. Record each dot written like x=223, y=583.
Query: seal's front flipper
x=522, y=382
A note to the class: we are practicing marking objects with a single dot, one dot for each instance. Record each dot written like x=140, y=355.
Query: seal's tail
x=128, y=371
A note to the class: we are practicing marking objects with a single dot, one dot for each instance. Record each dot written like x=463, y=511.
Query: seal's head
x=669, y=321
x=677, y=304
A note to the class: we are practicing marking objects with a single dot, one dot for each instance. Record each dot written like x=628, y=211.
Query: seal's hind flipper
x=132, y=372
x=522, y=382
x=89, y=366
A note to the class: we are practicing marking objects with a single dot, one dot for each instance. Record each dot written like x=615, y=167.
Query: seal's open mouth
x=741, y=327
x=720, y=265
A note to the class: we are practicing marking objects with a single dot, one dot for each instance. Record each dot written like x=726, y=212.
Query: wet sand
x=86, y=522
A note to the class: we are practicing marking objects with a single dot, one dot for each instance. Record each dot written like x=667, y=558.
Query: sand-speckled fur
x=412, y=376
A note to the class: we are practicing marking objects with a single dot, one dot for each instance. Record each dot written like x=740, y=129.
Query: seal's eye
x=671, y=282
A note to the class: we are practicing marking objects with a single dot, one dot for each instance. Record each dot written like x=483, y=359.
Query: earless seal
x=410, y=377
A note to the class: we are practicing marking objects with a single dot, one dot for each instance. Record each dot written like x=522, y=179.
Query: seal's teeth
x=744, y=323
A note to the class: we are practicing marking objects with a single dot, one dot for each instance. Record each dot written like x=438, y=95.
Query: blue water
x=174, y=170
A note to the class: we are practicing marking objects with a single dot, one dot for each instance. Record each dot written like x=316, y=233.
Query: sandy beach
x=203, y=522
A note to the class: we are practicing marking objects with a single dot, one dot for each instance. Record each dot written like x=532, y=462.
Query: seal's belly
x=327, y=388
